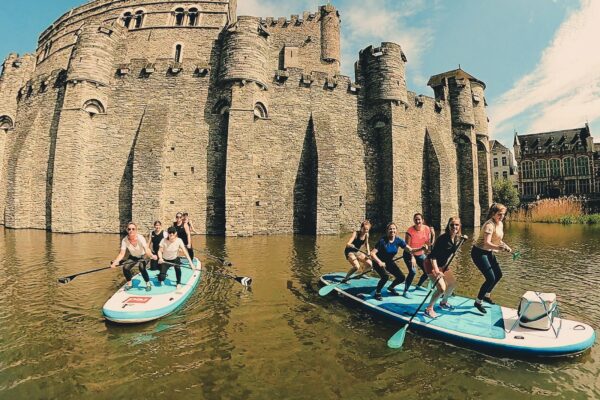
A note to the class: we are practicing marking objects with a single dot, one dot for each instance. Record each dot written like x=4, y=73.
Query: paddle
x=221, y=260
x=243, y=280
x=397, y=340
x=325, y=290
x=67, y=279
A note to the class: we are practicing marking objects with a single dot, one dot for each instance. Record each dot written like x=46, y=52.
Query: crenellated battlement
x=295, y=20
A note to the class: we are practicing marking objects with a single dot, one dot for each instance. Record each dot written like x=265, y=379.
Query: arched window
x=583, y=166
x=527, y=168
x=139, y=19
x=555, y=167
x=93, y=107
x=569, y=166
x=127, y=19
x=260, y=111
x=6, y=123
x=178, y=49
x=47, y=48
x=222, y=107
x=193, y=17
x=179, y=16
x=540, y=169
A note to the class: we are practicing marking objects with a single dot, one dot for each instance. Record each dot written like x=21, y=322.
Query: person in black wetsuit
x=183, y=233
x=383, y=255
x=358, y=259
x=154, y=239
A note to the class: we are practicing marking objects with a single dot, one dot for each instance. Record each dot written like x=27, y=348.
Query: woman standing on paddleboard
x=154, y=238
x=420, y=237
x=183, y=232
x=137, y=247
x=357, y=259
x=482, y=253
x=435, y=265
x=168, y=254
x=383, y=254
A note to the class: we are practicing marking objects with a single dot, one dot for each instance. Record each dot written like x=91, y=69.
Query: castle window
x=139, y=19
x=179, y=16
x=178, y=49
x=47, y=48
x=93, y=107
x=260, y=111
x=569, y=166
x=222, y=107
x=583, y=167
x=193, y=17
x=527, y=169
x=6, y=123
x=127, y=19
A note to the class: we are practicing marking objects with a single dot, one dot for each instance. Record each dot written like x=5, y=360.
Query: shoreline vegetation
x=564, y=210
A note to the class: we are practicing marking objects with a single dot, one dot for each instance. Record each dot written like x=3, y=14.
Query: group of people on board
x=161, y=247
x=432, y=256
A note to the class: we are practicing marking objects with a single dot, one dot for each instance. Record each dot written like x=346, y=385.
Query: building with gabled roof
x=557, y=163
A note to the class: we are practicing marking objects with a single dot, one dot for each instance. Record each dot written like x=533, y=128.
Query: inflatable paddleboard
x=138, y=305
x=497, y=331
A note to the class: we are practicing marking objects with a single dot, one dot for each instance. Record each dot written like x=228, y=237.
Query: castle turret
x=479, y=114
x=382, y=70
x=85, y=108
x=330, y=31
x=15, y=72
x=245, y=52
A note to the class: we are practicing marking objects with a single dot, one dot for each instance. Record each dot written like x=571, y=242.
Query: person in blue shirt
x=383, y=255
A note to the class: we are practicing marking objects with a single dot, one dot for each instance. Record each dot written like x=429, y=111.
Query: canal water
x=279, y=340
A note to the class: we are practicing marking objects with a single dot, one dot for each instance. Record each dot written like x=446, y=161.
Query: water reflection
x=280, y=339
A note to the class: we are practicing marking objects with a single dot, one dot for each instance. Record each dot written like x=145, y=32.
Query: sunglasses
x=455, y=225
x=130, y=229
x=178, y=216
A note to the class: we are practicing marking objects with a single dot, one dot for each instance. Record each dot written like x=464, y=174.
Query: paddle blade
x=397, y=340
x=65, y=279
x=516, y=255
x=244, y=280
x=325, y=290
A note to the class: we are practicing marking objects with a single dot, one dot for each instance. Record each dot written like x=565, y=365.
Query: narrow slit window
x=178, y=49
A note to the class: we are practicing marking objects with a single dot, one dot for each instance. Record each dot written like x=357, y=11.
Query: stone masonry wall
x=110, y=127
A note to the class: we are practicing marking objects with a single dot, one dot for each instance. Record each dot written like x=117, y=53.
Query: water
x=279, y=340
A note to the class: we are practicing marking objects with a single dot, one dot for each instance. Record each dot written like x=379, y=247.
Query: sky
x=538, y=58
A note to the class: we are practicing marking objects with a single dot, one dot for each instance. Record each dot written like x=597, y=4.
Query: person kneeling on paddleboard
x=436, y=265
x=137, y=247
x=168, y=254
x=383, y=254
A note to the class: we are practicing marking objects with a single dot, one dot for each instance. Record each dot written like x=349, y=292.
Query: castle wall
x=304, y=33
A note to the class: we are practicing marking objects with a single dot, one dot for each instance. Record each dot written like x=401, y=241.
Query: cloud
x=563, y=90
x=374, y=21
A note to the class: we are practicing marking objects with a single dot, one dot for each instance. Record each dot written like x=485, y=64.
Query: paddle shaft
x=239, y=279
x=67, y=279
x=462, y=240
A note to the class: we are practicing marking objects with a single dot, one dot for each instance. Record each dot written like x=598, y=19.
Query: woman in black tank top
x=358, y=259
x=183, y=232
x=154, y=240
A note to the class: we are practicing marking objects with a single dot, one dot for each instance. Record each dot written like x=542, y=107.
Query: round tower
x=382, y=69
x=479, y=113
x=461, y=100
x=330, y=34
x=245, y=52
x=93, y=57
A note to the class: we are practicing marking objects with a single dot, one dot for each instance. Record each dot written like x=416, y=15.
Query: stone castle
x=137, y=109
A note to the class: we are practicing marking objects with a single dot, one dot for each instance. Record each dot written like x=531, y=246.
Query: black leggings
x=393, y=269
x=165, y=267
x=135, y=262
x=489, y=267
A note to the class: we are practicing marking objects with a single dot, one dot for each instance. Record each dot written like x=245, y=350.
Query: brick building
x=558, y=163
x=137, y=109
x=503, y=163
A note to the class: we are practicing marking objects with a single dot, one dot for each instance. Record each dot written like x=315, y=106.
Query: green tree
x=504, y=192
